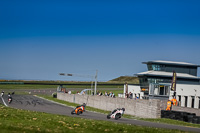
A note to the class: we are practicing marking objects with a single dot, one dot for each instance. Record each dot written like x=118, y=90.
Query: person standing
x=169, y=105
x=174, y=101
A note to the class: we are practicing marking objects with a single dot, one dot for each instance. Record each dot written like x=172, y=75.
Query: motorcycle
x=116, y=114
x=79, y=109
x=2, y=93
x=9, y=100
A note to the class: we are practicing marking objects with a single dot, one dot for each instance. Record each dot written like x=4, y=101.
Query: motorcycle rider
x=2, y=93
x=9, y=98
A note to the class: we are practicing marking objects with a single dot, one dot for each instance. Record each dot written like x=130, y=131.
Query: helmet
x=84, y=105
x=123, y=109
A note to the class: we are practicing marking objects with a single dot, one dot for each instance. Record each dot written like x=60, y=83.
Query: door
x=162, y=90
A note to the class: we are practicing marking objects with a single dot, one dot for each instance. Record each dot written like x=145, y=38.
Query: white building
x=156, y=83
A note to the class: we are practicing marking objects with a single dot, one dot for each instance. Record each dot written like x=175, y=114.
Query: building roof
x=166, y=74
x=171, y=63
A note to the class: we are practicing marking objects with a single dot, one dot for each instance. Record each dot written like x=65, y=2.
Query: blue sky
x=40, y=39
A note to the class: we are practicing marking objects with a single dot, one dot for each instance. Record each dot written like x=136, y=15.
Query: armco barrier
x=140, y=108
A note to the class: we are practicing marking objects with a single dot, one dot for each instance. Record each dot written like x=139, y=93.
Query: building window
x=179, y=101
x=167, y=90
x=156, y=89
x=149, y=67
x=186, y=98
x=156, y=67
x=199, y=102
x=192, y=105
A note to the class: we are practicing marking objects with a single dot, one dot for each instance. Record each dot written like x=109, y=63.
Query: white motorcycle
x=2, y=93
x=116, y=114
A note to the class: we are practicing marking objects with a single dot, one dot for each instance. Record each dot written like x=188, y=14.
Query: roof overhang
x=166, y=74
x=171, y=63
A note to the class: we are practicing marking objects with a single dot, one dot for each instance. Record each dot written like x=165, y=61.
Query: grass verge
x=35, y=86
x=17, y=120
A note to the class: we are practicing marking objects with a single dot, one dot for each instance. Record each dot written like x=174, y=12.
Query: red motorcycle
x=79, y=109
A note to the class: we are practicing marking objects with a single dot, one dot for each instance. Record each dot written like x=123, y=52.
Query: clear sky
x=39, y=39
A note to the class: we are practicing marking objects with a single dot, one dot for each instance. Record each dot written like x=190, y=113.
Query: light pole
x=95, y=88
x=88, y=76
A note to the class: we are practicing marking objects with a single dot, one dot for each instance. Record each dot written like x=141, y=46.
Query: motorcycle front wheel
x=108, y=116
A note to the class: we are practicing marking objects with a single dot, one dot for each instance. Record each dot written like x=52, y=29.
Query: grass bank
x=17, y=120
x=36, y=86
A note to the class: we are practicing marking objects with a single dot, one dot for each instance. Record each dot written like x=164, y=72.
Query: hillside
x=119, y=80
x=123, y=79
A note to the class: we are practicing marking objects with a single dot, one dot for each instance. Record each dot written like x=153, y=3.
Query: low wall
x=179, y=108
x=186, y=109
x=140, y=108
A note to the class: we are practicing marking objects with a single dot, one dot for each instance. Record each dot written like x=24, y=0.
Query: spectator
x=110, y=94
x=69, y=92
x=113, y=95
x=130, y=95
x=126, y=95
x=106, y=94
x=100, y=94
x=135, y=96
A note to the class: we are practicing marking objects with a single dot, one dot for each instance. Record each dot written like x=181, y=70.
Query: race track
x=30, y=102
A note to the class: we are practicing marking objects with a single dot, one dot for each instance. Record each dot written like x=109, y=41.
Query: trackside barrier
x=140, y=108
x=186, y=109
x=181, y=116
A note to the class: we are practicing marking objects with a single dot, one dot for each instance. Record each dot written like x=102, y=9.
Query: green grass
x=128, y=79
x=173, y=122
x=26, y=86
x=158, y=120
x=35, y=86
x=18, y=121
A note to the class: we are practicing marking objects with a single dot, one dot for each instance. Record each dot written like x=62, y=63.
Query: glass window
x=199, y=102
x=156, y=67
x=167, y=90
x=149, y=67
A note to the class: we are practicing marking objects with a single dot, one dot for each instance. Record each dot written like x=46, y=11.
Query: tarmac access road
x=30, y=102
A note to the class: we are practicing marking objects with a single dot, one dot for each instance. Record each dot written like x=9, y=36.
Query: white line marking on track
x=4, y=102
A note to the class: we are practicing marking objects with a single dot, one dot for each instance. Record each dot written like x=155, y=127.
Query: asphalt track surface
x=30, y=102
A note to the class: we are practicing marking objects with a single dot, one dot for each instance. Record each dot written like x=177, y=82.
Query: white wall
x=135, y=89
x=181, y=90
x=189, y=91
